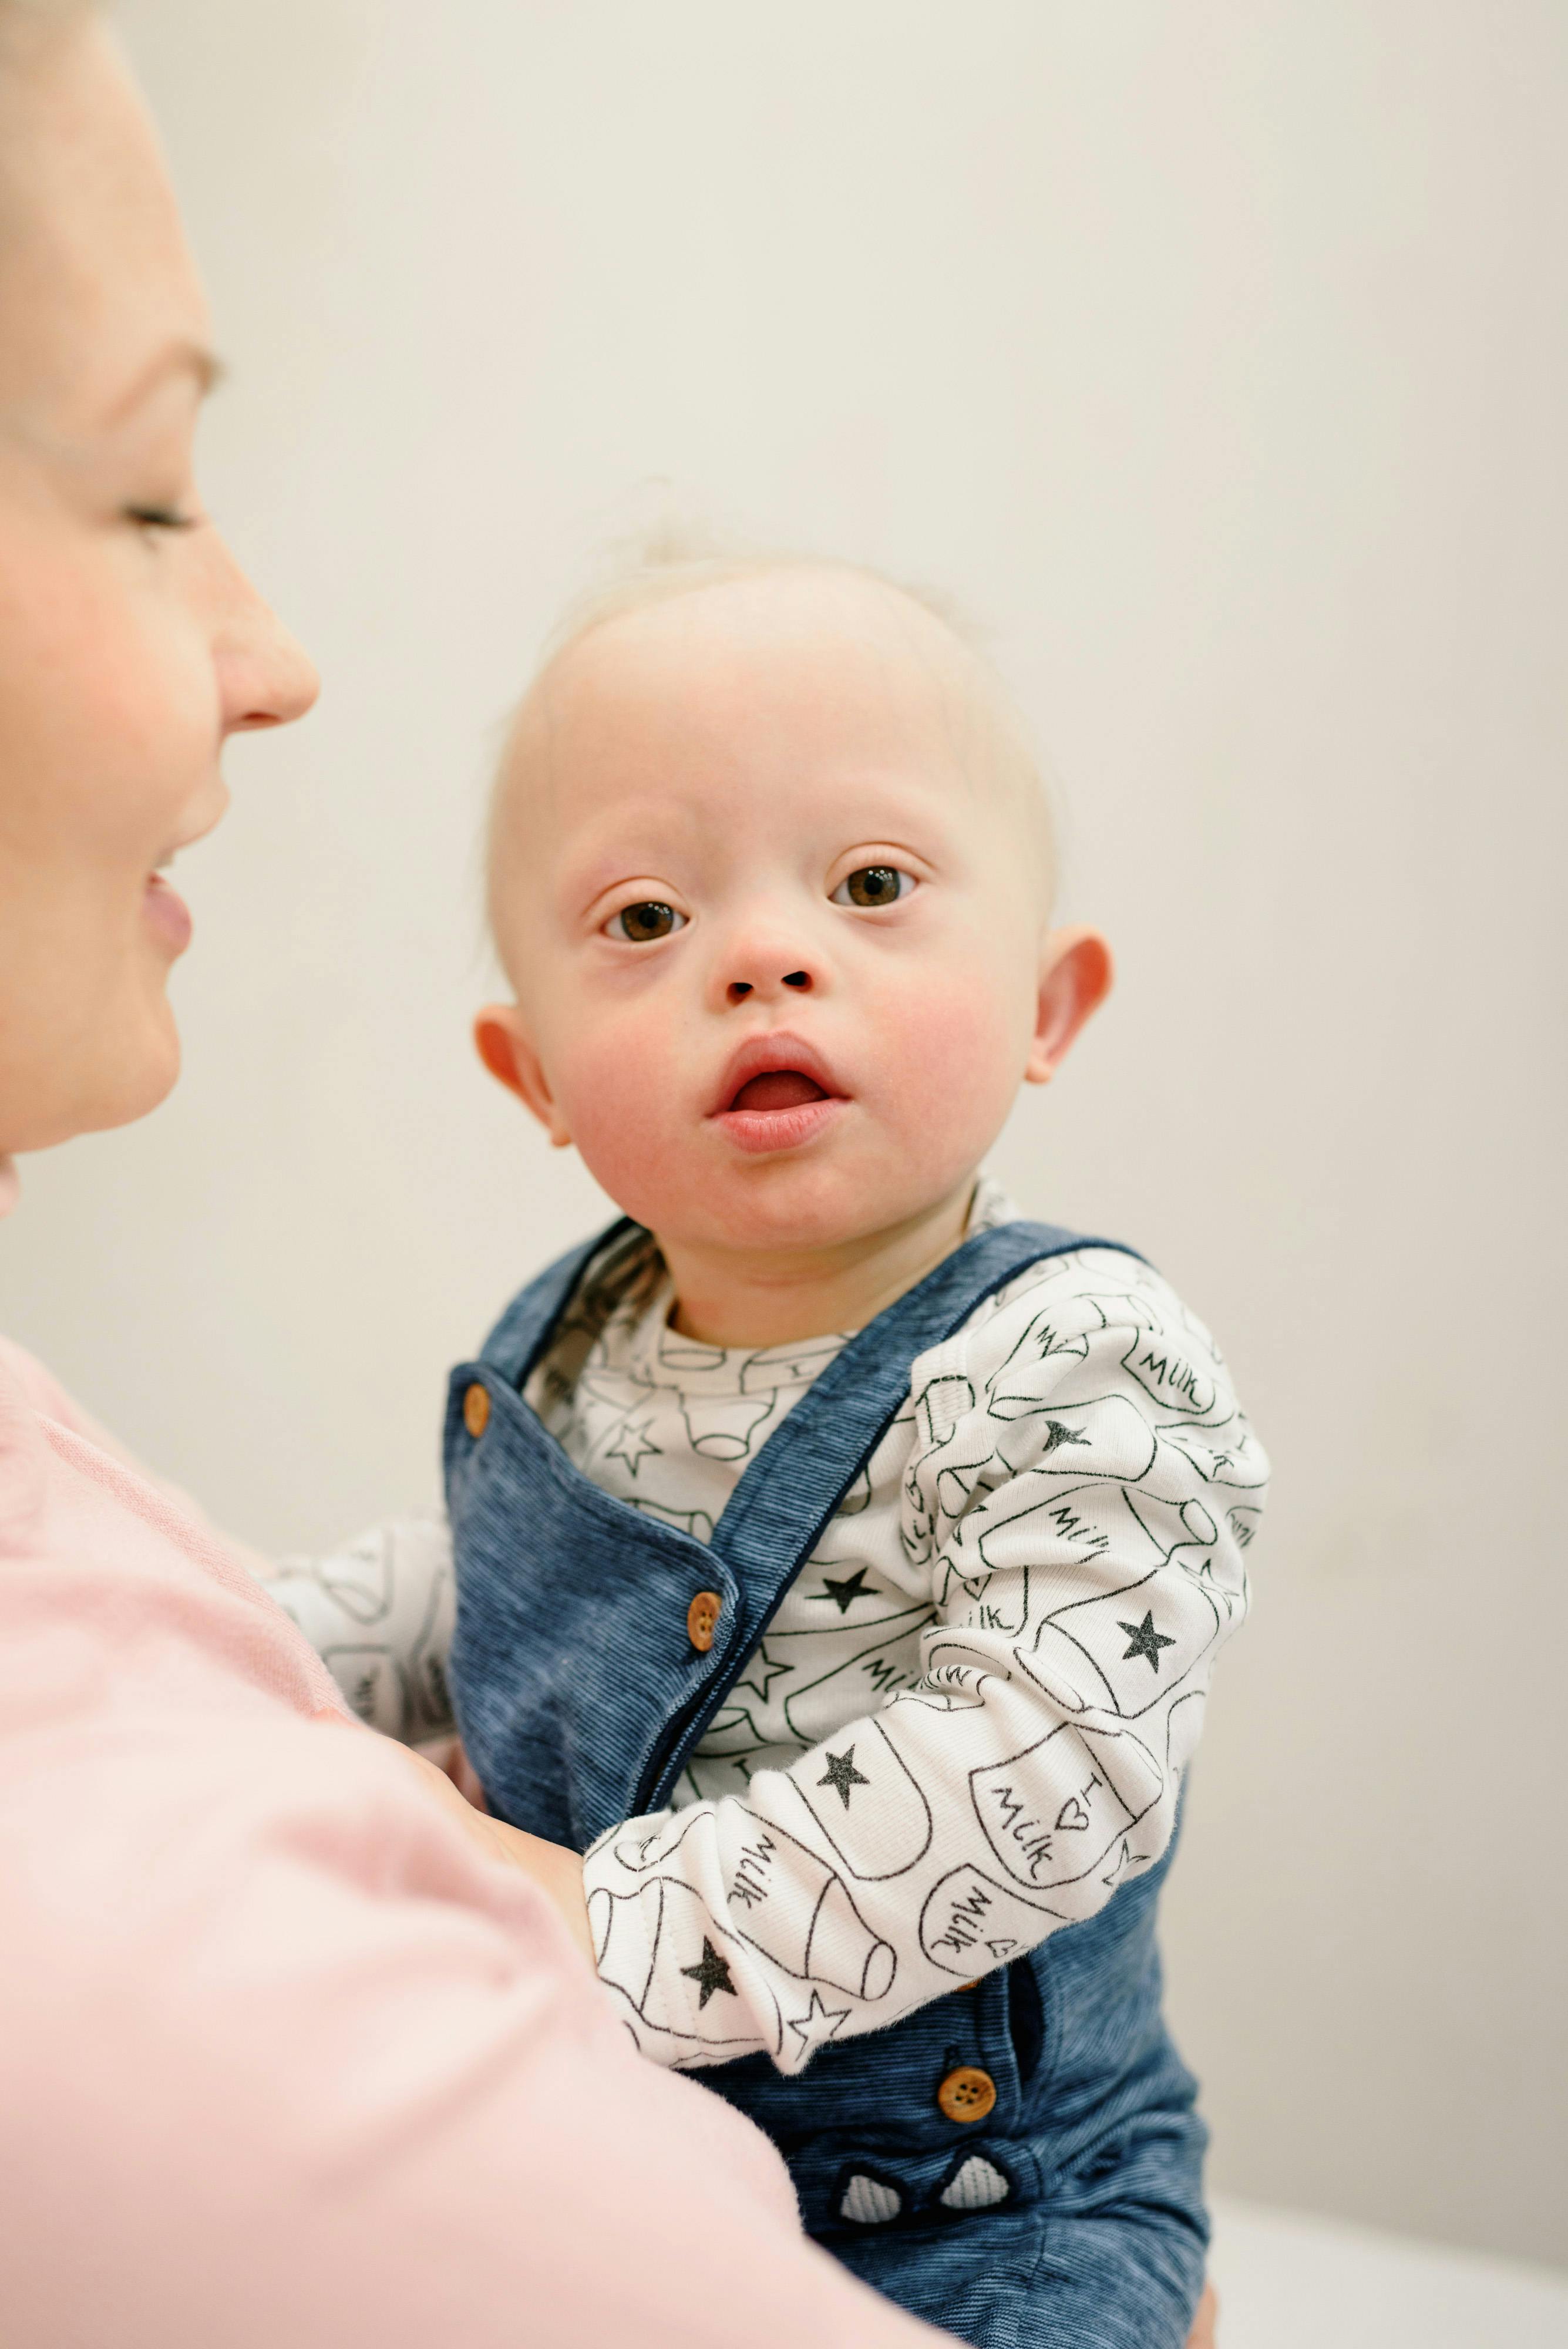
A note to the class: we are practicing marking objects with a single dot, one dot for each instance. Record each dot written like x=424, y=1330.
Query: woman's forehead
x=99, y=295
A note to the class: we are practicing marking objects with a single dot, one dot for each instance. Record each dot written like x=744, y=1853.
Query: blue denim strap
x=796, y=1480
x=778, y=1510
x=526, y=1327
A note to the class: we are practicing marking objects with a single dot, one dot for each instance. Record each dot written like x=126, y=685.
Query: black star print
x=711, y=1975
x=842, y=1774
x=1056, y=1435
x=844, y=1594
x=1145, y=1640
x=763, y=1671
x=632, y=1442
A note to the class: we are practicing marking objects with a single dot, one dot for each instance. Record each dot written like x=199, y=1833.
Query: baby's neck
x=773, y=1297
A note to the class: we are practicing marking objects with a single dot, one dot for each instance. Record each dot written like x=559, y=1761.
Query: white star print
x=817, y=2024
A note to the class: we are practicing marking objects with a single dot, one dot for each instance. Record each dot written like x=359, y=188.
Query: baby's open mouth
x=779, y=1089
x=777, y=1094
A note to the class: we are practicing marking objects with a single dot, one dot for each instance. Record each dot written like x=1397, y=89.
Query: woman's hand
x=555, y=1870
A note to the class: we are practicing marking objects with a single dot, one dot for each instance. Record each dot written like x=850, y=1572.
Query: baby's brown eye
x=640, y=925
x=874, y=885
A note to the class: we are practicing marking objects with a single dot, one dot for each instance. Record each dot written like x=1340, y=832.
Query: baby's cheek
x=619, y=1094
x=959, y=1048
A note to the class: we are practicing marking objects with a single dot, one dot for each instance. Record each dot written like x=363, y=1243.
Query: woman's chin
x=133, y=1082
x=90, y=1078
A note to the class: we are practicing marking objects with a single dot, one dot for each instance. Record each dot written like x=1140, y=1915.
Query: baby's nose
x=739, y=989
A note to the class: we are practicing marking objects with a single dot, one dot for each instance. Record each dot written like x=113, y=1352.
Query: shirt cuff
x=688, y=1991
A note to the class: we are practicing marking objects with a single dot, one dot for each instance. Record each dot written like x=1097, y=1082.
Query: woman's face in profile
x=130, y=643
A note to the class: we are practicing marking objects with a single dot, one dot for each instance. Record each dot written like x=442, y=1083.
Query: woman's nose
x=271, y=683
x=267, y=676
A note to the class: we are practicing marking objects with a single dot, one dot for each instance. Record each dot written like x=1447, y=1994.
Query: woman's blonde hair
x=26, y=25
x=22, y=19
x=43, y=12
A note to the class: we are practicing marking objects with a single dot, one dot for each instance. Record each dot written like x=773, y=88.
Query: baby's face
x=768, y=891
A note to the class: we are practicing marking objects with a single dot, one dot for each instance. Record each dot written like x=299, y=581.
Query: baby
x=840, y=1560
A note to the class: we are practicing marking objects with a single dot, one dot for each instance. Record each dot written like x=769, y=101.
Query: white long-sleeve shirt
x=968, y=1722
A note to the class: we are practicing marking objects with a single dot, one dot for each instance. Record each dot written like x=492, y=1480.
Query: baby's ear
x=1076, y=975
x=502, y=1044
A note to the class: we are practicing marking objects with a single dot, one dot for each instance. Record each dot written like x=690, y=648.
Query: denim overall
x=1071, y=2214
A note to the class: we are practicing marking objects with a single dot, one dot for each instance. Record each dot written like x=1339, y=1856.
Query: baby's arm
x=379, y=1615
x=1081, y=1490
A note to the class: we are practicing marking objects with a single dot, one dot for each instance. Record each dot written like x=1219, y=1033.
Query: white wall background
x=1219, y=356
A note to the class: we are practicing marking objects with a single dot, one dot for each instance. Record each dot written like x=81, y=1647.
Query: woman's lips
x=779, y=1111
x=167, y=913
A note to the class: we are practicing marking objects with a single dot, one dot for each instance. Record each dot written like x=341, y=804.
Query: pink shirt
x=285, y=2061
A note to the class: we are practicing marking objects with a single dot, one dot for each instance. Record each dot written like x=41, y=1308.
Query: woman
x=291, y=2054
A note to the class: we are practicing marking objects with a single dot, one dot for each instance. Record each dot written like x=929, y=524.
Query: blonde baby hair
x=675, y=557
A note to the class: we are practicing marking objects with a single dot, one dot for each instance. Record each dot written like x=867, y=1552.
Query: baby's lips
x=779, y=1055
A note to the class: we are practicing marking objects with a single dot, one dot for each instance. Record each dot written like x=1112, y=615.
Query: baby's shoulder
x=1092, y=1323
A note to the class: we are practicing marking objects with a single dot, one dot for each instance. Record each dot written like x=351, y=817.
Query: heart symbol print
x=1072, y=1818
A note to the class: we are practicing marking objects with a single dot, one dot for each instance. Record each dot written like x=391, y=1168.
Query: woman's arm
x=287, y=2057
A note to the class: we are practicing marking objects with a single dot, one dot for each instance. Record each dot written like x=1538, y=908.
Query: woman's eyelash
x=160, y=518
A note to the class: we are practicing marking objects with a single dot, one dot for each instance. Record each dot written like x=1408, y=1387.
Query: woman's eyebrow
x=182, y=357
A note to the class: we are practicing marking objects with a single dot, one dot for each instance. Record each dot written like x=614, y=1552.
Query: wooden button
x=968, y=2093
x=476, y=1410
x=703, y=1620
